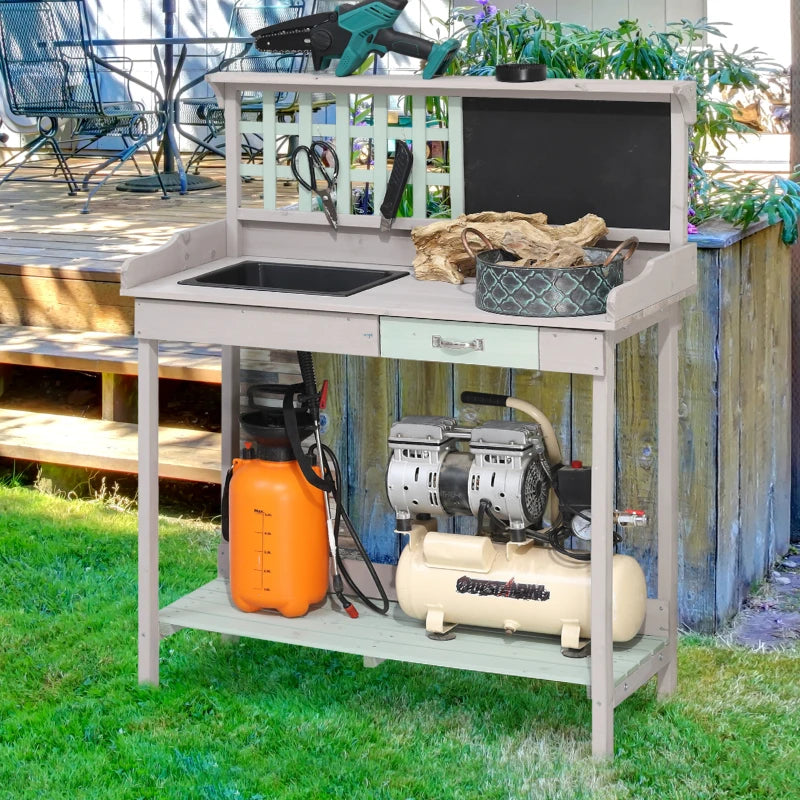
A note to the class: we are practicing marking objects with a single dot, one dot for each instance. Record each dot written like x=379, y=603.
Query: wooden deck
x=61, y=269
x=43, y=232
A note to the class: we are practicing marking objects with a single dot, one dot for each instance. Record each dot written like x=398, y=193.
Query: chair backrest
x=248, y=16
x=43, y=46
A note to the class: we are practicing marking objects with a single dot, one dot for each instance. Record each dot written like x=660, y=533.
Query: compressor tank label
x=512, y=589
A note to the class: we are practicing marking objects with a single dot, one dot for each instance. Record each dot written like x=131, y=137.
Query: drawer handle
x=448, y=344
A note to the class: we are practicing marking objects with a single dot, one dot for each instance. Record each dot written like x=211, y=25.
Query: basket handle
x=631, y=244
x=489, y=245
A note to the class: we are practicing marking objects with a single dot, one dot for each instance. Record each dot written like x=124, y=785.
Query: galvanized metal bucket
x=546, y=291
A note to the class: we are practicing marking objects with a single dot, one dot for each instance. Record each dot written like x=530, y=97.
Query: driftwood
x=441, y=255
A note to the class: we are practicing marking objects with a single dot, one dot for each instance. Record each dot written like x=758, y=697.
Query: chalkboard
x=568, y=158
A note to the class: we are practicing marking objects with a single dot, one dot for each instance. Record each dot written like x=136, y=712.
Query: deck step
x=94, y=351
x=100, y=444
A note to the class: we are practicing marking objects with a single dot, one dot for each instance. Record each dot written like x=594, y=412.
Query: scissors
x=315, y=159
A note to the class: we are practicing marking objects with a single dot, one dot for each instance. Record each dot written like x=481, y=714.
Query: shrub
x=522, y=35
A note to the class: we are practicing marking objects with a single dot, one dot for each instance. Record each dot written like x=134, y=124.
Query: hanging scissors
x=315, y=158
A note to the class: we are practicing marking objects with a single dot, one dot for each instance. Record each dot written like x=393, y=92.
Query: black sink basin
x=297, y=278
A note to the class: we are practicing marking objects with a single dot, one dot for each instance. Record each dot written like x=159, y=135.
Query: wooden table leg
x=148, y=511
x=602, y=668
x=668, y=489
x=230, y=433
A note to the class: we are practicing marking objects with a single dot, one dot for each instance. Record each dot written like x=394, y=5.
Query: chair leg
x=133, y=158
x=121, y=158
x=69, y=177
x=200, y=152
x=28, y=151
x=33, y=147
x=164, y=194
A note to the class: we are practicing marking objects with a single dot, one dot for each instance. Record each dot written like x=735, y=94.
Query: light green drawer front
x=460, y=342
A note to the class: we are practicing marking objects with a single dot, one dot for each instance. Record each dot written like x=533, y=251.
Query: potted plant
x=522, y=35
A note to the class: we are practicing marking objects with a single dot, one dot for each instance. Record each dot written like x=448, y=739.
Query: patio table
x=174, y=175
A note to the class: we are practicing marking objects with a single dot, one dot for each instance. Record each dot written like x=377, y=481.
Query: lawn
x=255, y=720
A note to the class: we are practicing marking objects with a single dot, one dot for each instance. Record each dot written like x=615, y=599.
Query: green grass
x=260, y=720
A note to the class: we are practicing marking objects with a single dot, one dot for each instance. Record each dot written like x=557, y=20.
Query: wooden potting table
x=403, y=319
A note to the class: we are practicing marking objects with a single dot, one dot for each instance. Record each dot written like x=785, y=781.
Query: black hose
x=306, y=361
x=335, y=477
x=557, y=538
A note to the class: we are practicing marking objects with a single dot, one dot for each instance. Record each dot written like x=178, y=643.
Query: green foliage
x=523, y=35
x=254, y=720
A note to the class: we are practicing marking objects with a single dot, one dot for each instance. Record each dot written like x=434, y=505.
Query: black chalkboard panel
x=568, y=158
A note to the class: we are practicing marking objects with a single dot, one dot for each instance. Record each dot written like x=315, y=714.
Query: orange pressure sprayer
x=276, y=519
x=276, y=507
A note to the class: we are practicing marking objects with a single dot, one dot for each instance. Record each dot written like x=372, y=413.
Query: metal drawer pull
x=447, y=344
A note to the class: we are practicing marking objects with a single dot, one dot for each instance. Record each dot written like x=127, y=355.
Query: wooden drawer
x=460, y=342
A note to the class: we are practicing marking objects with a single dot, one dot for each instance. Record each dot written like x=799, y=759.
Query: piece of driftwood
x=441, y=255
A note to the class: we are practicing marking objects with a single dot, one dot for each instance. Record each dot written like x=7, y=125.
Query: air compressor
x=517, y=573
x=281, y=506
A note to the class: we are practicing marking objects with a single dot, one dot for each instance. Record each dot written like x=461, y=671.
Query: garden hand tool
x=351, y=33
x=398, y=178
x=315, y=157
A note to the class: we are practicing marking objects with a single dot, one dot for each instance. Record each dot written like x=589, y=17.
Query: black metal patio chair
x=51, y=74
x=246, y=17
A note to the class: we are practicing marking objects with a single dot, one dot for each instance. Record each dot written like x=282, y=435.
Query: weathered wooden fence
x=735, y=425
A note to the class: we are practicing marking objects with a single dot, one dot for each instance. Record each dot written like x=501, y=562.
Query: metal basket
x=546, y=291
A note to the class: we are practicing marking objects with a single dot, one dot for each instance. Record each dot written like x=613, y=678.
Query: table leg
x=602, y=667
x=169, y=8
x=148, y=511
x=668, y=489
x=230, y=434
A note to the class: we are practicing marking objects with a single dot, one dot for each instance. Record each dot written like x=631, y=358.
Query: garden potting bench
x=397, y=320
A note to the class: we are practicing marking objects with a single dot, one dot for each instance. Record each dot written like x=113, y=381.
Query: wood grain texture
x=698, y=477
x=581, y=419
x=58, y=303
x=371, y=408
x=637, y=449
x=726, y=265
x=119, y=397
x=425, y=388
x=779, y=289
x=551, y=393
x=333, y=368
x=104, y=445
x=756, y=493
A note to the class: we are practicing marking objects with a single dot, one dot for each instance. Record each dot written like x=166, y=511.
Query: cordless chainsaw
x=351, y=33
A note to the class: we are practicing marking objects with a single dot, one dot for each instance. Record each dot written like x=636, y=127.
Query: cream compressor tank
x=522, y=577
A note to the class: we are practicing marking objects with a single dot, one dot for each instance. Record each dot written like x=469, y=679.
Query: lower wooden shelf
x=398, y=637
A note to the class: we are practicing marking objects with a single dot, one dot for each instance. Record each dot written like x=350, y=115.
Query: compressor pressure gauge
x=582, y=525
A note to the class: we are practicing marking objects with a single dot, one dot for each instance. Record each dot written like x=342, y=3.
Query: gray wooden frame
x=656, y=280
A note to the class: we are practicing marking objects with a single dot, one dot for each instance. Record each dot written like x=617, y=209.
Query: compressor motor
x=505, y=474
x=518, y=575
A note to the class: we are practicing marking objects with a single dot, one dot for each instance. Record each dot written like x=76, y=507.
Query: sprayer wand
x=316, y=402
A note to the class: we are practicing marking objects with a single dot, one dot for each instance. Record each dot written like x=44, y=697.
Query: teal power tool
x=351, y=33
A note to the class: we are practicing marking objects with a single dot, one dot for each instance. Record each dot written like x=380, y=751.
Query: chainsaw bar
x=291, y=36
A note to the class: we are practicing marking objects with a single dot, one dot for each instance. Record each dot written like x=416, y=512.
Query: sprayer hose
x=341, y=516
